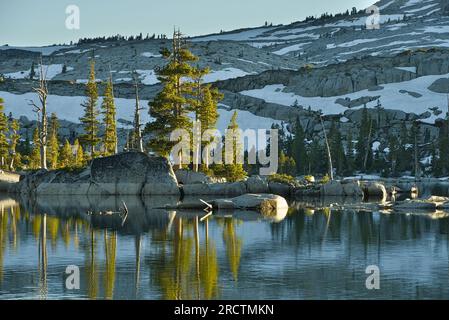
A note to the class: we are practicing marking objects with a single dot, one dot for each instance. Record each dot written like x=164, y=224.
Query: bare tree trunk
x=41, y=109
x=329, y=156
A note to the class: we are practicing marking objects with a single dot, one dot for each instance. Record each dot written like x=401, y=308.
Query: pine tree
x=364, y=153
x=299, y=151
x=35, y=156
x=80, y=159
x=32, y=71
x=53, y=150
x=15, y=157
x=205, y=108
x=287, y=165
x=66, y=155
x=233, y=161
x=169, y=108
x=337, y=149
x=136, y=135
x=349, y=154
x=109, y=112
x=89, y=120
x=4, y=145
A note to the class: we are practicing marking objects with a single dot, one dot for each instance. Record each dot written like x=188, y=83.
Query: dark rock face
x=131, y=173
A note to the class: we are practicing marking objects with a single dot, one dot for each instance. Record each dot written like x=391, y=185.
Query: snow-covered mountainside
x=335, y=64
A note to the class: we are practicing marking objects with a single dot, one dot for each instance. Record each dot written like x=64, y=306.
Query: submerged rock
x=130, y=173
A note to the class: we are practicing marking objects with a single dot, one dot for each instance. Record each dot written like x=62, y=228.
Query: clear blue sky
x=42, y=22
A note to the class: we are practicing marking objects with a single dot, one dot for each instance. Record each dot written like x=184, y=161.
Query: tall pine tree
x=14, y=137
x=90, y=119
x=169, y=108
x=53, y=150
x=299, y=151
x=4, y=145
x=233, y=161
x=110, y=126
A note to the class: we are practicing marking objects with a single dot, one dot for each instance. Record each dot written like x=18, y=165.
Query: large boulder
x=191, y=177
x=224, y=189
x=266, y=204
x=8, y=180
x=332, y=188
x=281, y=189
x=130, y=173
x=255, y=184
x=374, y=190
x=351, y=188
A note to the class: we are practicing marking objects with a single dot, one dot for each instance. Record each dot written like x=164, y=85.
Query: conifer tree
x=205, y=107
x=136, y=136
x=337, y=149
x=287, y=165
x=53, y=150
x=349, y=153
x=66, y=155
x=169, y=108
x=35, y=156
x=4, y=146
x=363, y=147
x=14, y=140
x=90, y=119
x=299, y=151
x=233, y=161
x=80, y=160
x=109, y=112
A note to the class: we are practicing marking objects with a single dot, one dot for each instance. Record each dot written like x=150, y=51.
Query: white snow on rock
x=390, y=97
x=50, y=71
x=295, y=47
x=224, y=74
x=409, y=69
x=387, y=5
x=422, y=8
x=147, y=77
x=70, y=109
x=436, y=29
x=150, y=55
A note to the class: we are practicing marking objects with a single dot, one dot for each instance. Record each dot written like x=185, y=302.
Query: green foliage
x=233, y=162
x=35, y=156
x=299, y=150
x=170, y=107
x=14, y=137
x=80, y=158
x=66, y=158
x=90, y=119
x=53, y=146
x=4, y=146
x=337, y=149
x=283, y=178
x=287, y=165
x=325, y=179
x=363, y=147
x=109, y=113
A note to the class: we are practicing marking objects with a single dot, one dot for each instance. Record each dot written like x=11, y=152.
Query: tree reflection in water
x=173, y=255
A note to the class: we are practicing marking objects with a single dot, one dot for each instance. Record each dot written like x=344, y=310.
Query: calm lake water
x=310, y=253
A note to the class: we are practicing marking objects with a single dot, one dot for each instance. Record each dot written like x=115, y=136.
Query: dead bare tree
x=41, y=111
x=329, y=155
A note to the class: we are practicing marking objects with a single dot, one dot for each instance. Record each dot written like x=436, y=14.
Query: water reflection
x=316, y=251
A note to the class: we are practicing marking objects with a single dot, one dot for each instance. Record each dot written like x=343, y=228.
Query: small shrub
x=325, y=179
x=283, y=178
